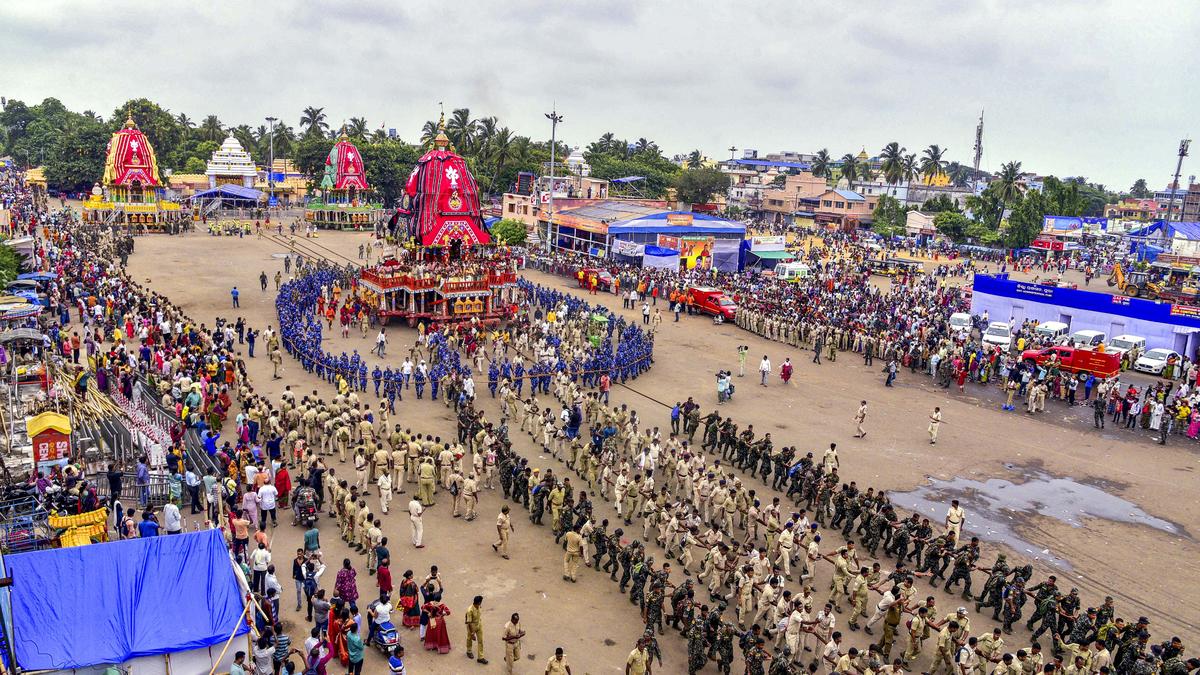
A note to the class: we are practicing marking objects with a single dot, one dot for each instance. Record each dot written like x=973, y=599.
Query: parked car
x=1051, y=332
x=999, y=334
x=1087, y=339
x=604, y=280
x=1155, y=361
x=1132, y=345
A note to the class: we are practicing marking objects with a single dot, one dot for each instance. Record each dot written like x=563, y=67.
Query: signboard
x=777, y=243
x=696, y=252
x=1185, y=310
x=628, y=248
x=1061, y=223
x=667, y=241
x=679, y=219
x=50, y=436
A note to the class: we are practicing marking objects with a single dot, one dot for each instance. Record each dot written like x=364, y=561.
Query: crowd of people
x=750, y=518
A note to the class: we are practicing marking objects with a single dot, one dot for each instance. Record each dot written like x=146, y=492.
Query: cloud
x=1098, y=88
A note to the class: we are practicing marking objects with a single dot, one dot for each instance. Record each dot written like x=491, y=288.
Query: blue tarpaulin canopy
x=699, y=223
x=628, y=179
x=37, y=276
x=109, y=603
x=230, y=192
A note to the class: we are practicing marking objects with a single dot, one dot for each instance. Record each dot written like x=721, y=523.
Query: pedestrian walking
x=935, y=423
x=764, y=370
x=504, y=527
x=859, y=418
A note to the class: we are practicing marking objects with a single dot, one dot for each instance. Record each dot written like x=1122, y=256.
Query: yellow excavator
x=1134, y=283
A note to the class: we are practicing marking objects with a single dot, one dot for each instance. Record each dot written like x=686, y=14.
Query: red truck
x=1073, y=360
x=713, y=301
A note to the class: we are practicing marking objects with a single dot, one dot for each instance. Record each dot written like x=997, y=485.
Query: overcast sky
x=1101, y=88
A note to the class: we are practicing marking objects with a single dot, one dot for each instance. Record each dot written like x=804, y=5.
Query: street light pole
x=554, y=118
x=271, y=165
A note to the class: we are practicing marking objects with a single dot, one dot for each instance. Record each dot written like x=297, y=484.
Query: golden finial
x=441, y=141
x=129, y=123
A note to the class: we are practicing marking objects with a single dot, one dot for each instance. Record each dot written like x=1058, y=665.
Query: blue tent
x=37, y=276
x=235, y=192
x=109, y=603
x=659, y=223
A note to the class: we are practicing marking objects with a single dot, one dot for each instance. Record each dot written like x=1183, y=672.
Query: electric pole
x=554, y=118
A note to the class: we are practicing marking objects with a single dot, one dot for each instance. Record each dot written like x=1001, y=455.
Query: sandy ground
x=1141, y=566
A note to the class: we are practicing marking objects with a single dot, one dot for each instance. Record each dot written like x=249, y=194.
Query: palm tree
x=245, y=136
x=911, y=168
x=959, y=174
x=357, y=128
x=378, y=136
x=428, y=133
x=285, y=136
x=932, y=164
x=820, y=164
x=312, y=120
x=694, y=159
x=183, y=120
x=461, y=128
x=485, y=130
x=499, y=150
x=210, y=129
x=893, y=163
x=850, y=168
x=91, y=116
x=645, y=146
x=1007, y=186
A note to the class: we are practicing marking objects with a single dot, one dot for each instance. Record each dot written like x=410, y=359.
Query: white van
x=1127, y=344
x=1087, y=339
x=1051, y=331
x=998, y=334
x=960, y=322
x=792, y=271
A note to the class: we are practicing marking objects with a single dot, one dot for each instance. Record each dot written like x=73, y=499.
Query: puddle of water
x=996, y=507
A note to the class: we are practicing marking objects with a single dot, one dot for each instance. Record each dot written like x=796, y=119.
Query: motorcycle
x=306, y=507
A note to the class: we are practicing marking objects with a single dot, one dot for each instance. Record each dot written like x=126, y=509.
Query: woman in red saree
x=436, y=635
x=408, y=601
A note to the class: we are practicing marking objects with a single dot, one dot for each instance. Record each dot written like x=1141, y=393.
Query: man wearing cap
x=1084, y=630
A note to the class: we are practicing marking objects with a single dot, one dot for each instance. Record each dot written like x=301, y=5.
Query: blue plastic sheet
x=108, y=603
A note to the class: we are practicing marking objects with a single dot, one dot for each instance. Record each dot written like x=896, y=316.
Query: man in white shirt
x=260, y=560
x=885, y=603
x=955, y=516
x=172, y=520
x=764, y=370
x=415, y=509
x=832, y=651
x=965, y=659
x=267, y=496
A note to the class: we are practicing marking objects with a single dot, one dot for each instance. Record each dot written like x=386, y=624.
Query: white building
x=230, y=164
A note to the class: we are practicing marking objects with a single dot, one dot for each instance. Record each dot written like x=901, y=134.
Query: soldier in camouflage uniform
x=697, y=650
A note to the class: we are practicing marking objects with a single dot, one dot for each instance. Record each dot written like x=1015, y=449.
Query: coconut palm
x=850, y=168
x=932, y=164
x=183, y=120
x=357, y=128
x=694, y=159
x=1007, y=185
x=485, y=130
x=820, y=164
x=429, y=132
x=893, y=163
x=211, y=129
x=461, y=128
x=378, y=136
x=960, y=174
x=312, y=120
x=245, y=135
x=285, y=138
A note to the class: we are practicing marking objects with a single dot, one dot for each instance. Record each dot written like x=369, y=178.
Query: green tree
x=892, y=164
x=932, y=164
x=850, y=169
x=960, y=175
x=194, y=165
x=695, y=159
x=389, y=163
x=697, y=186
x=78, y=157
x=11, y=264
x=889, y=217
x=1139, y=189
x=951, y=224
x=1025, y=221
x=312, y=121
x=821, y=164
x=211, y=129
x=940, y=203
x=461, y=128
x=357, y=128
x=509, y=231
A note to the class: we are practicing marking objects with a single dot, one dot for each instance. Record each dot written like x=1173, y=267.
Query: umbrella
x=21, y=312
